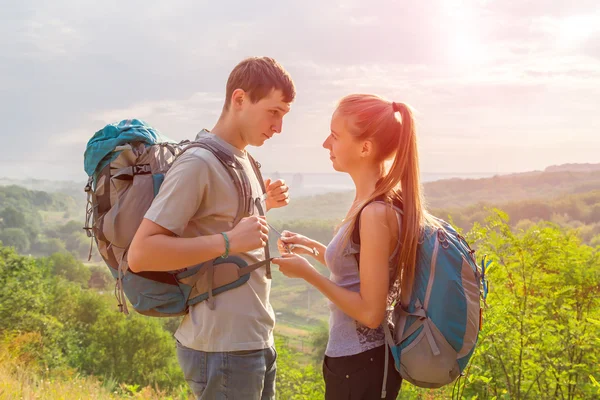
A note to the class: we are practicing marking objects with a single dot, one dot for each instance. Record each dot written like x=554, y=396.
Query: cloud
x=478, y=71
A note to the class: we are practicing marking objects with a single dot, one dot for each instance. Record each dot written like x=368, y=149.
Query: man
x=227, y=352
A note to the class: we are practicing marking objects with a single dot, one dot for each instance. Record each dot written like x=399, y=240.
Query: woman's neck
x=365, y=180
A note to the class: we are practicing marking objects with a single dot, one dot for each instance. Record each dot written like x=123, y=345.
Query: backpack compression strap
x=256, y=167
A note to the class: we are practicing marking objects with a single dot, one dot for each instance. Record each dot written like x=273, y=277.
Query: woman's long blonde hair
x=390, y=126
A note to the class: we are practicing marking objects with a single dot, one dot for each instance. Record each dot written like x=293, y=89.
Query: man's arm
x=155, y=248
x=158, y=244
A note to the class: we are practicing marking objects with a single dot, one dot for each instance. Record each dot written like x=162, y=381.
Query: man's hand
x=277, y=194
x=249, y=234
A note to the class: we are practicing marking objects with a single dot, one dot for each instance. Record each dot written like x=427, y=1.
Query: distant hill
x=71, y=188
x=458, y=193
x=554, y=181
x=510, y=188
x=573, y=168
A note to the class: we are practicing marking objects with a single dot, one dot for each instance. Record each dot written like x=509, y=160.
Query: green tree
x=294, y=381
x=538, y=337
x=17, y=238
x=10, y=217
x=134, y=349
x=100, y=278
x=51, y=246
x=68, y=267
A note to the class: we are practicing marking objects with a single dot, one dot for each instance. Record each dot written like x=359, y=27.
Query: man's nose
x=276, y=128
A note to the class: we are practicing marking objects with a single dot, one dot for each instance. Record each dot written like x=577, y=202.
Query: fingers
x=257, y=225
x=279, y=261
x=292, y=239
x=282, y=247
x=281, y=198
x=287, y=240
x=261, y=224
x=264, y=229
x=283, y=258
x=278, y=191
x=286, y=236
x=274, y=185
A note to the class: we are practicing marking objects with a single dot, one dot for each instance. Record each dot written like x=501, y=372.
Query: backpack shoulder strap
x=397, y=204
x=240, y=179
x=256, y=167
x=232, y=166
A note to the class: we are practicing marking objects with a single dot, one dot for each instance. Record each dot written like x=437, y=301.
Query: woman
x=366, y=132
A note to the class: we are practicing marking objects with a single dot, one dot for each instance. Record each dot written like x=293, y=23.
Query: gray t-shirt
x=199, y=198
x=347, y=336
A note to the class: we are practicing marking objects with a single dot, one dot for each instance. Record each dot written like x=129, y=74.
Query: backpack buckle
x=141, y=169
x=442, y=238
x=88, y=186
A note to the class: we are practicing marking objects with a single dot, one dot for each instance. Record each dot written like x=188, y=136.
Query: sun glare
x=466, y=49
x=463, y=41
x=573, y=30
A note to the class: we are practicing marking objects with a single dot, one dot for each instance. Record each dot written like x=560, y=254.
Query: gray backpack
x=126, y=163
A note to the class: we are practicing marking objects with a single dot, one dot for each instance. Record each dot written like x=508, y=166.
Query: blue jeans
x=231, y=375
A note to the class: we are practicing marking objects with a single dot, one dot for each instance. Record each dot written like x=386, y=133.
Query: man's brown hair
x=258, y=76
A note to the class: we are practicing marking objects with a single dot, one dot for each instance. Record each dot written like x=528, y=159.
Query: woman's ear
x=367, y=149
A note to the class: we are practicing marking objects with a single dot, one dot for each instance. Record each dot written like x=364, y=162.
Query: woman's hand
x=288, y=239
x=294, y=266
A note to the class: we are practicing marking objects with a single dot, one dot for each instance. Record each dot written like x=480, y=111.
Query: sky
x=498, y=86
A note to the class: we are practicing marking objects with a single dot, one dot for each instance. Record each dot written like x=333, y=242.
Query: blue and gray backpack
x=433, y=336
x=126, y=163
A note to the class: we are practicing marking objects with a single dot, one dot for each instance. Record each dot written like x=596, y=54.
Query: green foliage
x=100, y=278
x=295, y=381
x=24, y=199
x=541, y=326
x=72, y=235
x=29, y=222
x=134, y=350
x=10, y=217
x=318, y=341
x=15, y=237
x=67, y=266
x=80, y=328
x=538, y=340
x=578, y=212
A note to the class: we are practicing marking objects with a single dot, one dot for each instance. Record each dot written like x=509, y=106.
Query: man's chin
x=259, y=142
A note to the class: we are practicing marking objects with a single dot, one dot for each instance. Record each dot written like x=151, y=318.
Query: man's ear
x=237, y=98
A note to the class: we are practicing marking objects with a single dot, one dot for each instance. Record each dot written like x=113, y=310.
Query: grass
x=23, y=378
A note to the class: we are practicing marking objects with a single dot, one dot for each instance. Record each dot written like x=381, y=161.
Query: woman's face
x=344, y=149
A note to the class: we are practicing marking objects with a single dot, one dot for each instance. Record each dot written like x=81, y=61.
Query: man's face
x=259, y=121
